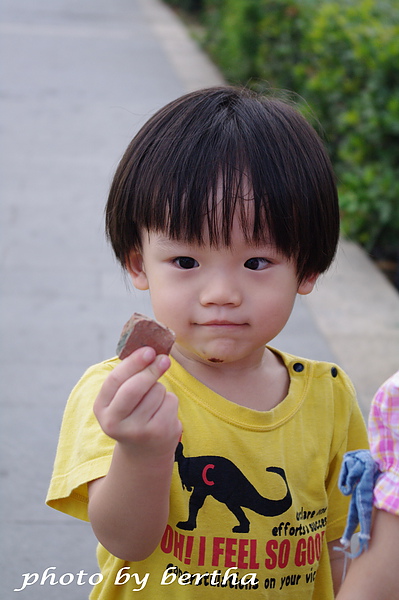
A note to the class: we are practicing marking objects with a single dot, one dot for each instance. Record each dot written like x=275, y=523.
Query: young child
x=374, y=574
x=214, y=472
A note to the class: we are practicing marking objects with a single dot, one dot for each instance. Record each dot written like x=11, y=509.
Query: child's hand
x=136, y=410
x=129, y=506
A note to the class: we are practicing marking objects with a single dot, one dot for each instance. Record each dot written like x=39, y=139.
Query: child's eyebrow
x=166, y=243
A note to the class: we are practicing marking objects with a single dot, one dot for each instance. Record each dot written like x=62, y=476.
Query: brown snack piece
x=142, y=331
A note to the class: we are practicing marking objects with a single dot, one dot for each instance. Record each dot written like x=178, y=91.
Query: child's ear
x=307, y=285
x=135, y=268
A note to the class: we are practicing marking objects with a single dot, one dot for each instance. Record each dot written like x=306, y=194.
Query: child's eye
x=256, y=264
x=186, y=262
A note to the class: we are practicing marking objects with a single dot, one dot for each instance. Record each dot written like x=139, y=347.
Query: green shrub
x=283, y=28
x=352, y=82
x=342, y=57
x=233, y=36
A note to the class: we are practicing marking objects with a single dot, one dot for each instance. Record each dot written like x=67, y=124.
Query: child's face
x=224, y=304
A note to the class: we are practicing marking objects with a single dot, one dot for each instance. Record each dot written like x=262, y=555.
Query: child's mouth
x=222, y=324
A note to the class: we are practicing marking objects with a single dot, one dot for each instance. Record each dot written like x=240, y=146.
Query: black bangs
x=200, y=194
x=217, y=153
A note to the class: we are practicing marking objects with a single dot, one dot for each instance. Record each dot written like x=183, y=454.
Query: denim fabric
x=358, y=476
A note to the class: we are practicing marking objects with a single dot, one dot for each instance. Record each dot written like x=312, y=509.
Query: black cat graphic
x=219, y=477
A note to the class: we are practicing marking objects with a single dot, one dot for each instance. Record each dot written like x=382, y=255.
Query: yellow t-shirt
x=254, y=497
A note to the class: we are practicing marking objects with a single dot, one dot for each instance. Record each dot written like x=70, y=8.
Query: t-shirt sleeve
x=84, y=452
x=350, y=434
x=384, y=444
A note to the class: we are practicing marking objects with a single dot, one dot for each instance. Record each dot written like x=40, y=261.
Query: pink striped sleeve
x=384, y=443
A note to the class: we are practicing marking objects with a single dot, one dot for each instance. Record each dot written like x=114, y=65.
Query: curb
x=192, y=65
x=357, y=310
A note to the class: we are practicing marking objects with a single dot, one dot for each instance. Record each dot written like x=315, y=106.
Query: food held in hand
x=140, y=331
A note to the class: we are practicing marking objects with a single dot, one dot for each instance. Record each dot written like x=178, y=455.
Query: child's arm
x=129, y=507
x=374, y=575
x=337, y=561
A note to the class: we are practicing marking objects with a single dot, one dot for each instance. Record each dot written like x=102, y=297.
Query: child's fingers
x=134, y=423
x=123, y=391
x=154, y=425
x=150, y=403
x=133, y=364
x=133, y=391
x=165, y=418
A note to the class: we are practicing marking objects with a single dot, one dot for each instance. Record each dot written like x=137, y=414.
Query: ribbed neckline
x=242, y=416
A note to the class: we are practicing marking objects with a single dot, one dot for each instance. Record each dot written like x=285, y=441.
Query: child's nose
x=221, y=289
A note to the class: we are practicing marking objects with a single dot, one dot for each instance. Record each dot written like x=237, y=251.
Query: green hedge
x=342, y=58
x=352, y=81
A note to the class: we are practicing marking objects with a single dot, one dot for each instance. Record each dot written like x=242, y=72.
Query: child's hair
x=202, y=157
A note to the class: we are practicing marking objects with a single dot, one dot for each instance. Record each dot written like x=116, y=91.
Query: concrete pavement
x=78, y=80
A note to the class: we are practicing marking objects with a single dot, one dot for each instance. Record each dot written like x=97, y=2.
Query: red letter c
x=204, y=475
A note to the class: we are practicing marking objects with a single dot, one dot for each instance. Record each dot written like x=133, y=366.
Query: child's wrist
x=149, y=457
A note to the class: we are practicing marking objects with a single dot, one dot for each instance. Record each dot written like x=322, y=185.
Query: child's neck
x=260, y=385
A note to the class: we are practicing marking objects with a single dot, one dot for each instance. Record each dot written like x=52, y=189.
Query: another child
x=213, y=473
x=374, y=575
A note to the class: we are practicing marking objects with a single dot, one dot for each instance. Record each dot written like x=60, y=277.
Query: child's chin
x=214, y=354
x=220, y=357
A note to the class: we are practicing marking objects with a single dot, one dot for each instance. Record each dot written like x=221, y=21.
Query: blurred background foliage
x=340, y=58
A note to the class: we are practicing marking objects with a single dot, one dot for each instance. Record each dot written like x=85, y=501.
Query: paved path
x=78, y=80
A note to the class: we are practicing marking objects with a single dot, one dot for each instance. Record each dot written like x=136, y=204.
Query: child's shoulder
x=324, y=386
x=386, y=398
x=391, y=385
x=103, y=367
x=317, y=370
x=94, y=376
